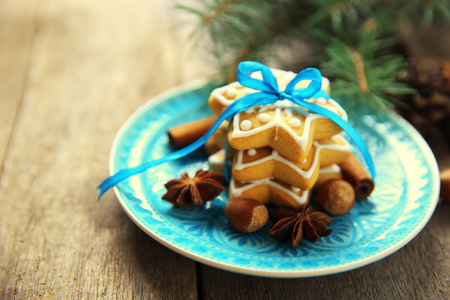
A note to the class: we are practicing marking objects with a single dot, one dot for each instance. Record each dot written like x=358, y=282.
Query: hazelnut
x=336, y=197
x=246, y=215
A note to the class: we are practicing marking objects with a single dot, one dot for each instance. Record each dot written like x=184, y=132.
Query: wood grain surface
x=71, y=72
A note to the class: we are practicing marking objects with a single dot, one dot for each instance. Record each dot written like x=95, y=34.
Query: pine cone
x=429, y=107
x=428, y=75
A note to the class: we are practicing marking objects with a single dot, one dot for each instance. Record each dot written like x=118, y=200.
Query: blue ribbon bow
x=269, y=94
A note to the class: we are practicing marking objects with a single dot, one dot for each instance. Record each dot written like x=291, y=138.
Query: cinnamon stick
x=187, y=133
x=354, y=172
x=445, y=185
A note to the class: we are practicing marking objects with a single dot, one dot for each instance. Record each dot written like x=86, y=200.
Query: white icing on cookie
x=344, y=147
x=264, y=108
x=294, y=122
x=307, y=174
x=246, y=125
x=231, y=92
x=263, y=118
x=251, y=152
x=288, y=112
x=283, y=103
x=321, y=100
x=240, y=165
x=333, y=109
x=331, y=169
x=325, y=83
x=302, y=140
x=218, y=94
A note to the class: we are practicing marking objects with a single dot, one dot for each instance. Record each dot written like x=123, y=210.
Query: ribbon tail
x=354, y=135
x=122, y=175
x=127, y=173
x=237, y=106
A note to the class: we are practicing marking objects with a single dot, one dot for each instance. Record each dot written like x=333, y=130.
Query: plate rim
x=197, y=84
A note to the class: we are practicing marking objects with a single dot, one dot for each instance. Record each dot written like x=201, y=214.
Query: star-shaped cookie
x=222, y=97
x=264, y=163
x=288, y=129
x=270, y=191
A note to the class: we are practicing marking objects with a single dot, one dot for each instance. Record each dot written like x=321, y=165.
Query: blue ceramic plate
x=406, y=195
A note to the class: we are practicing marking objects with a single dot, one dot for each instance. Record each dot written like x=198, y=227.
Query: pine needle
x=358, y=38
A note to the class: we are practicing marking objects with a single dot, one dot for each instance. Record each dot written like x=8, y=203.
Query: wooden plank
x=17, y=30
x=420, y=270
x=82, y=67
x=92, y=64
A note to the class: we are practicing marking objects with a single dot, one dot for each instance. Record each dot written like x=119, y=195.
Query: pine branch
x=358, y=37
x=246, y=29
x=218, y=10
x=275, y=28
x=432, y=13
x=357, y=73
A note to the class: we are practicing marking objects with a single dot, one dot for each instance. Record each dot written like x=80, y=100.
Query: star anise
x=292, y=225
x=187, y=191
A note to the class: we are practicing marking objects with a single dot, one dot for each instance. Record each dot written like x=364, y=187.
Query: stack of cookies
x=281, y=151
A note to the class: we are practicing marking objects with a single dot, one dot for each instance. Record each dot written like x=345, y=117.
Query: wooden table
x=71, y=72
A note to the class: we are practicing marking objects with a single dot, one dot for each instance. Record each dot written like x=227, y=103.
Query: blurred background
x=73, y=71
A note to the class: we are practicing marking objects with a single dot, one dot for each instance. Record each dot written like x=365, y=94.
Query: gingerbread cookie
x=333, y=150
x=279, y=193
x=270, y=191
x=263, y=163
x=288, y=129
x=222, y=97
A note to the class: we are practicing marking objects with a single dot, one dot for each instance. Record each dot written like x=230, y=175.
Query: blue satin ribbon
x=269, y=94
